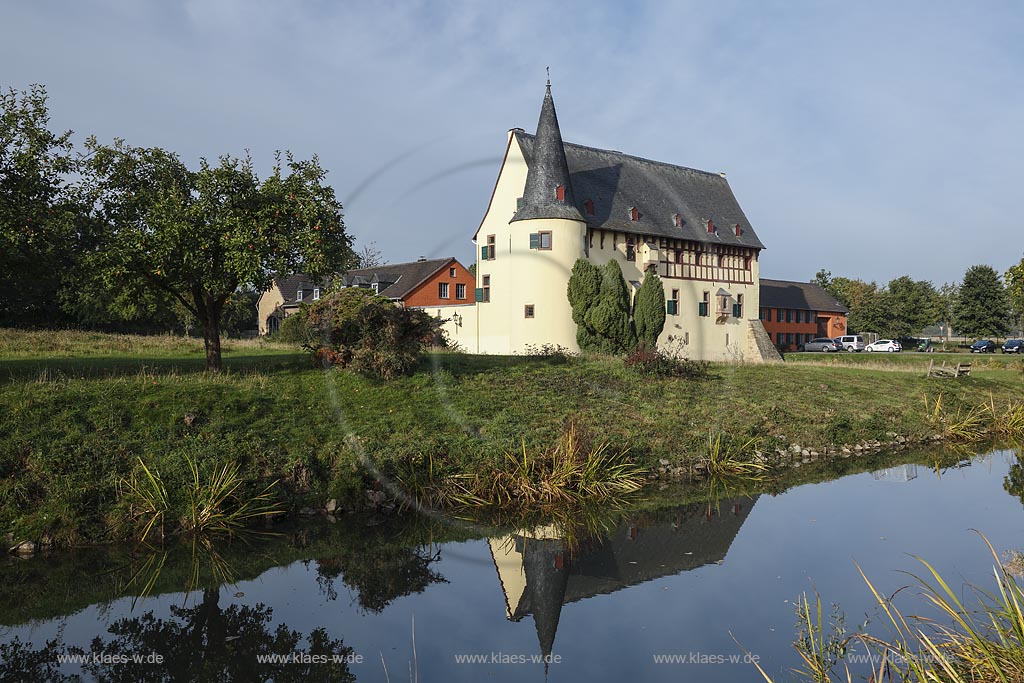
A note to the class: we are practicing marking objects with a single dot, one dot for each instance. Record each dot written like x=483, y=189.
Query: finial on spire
x=548, y=69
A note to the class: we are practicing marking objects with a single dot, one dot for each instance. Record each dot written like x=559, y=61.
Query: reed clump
x=962, y=423
x=214, y=503
x=724, y=456
x=1007, y=421
x=573, y=471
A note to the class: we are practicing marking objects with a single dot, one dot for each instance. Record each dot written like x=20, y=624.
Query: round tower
x=547, y=237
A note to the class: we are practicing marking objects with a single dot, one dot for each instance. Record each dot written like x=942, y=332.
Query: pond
x=663, y=594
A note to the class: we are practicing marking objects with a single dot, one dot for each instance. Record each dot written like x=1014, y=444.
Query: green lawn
x=912, y=359
x=78, y=410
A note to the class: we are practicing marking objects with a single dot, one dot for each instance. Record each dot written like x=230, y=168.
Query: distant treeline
x=982, y=304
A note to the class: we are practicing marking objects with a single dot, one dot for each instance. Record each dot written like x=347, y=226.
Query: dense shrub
x=294, y=330
x=650, y=361
x=369, y=334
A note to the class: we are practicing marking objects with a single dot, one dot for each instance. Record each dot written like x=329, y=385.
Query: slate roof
x=798, y=295
x=290, y=285
x=404, y=277
x=617, y=182
x=547, y=171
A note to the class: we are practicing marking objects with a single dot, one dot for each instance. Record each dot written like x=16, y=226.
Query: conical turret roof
x=548, y=171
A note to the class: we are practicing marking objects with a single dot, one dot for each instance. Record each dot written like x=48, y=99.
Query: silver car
x=851, y=342
x=822, y=344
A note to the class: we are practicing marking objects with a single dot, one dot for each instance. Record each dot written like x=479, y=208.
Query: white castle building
x=555, y=202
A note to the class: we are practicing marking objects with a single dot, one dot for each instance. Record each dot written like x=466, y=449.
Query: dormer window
x=739, y=230
x=677, y=220
x=634, y=213
x=316, y=294
x=560, y=193
x=588, y=206
x=298, y=295
x=711, y=226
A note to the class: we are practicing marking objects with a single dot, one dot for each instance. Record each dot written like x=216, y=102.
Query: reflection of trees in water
x=1013, y=483
x=380, y=574
x=201, y=643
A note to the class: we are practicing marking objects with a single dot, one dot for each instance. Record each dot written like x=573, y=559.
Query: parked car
x=983, y=346
x=1013, y=346
x=888, y=345
x=822, y=344
x=851, y=342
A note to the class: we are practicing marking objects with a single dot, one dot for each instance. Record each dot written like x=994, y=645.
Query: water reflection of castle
x=539, y=573
x=899, y=473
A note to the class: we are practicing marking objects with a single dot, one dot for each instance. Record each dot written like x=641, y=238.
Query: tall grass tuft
x=213, y=504
x=821, y=643
x=1009, y=421
x=147, y=499
x=572, y=471
x=966, y=423
x=724, y=456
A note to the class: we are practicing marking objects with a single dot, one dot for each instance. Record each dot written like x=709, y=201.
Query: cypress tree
x=649, y=310
x=610, y=317
x=582, y=291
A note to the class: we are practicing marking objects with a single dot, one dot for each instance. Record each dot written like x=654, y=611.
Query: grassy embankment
x=78, y=411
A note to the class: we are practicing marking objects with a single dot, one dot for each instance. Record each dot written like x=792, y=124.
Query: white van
x=851, y=342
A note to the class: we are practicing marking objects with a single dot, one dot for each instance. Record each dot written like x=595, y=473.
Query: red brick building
x=796, y=312
x=417, y=284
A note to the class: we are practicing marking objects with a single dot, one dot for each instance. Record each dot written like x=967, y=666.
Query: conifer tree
x=649, y=310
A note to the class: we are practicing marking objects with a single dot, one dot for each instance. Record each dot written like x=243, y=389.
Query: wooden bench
x=958, y=370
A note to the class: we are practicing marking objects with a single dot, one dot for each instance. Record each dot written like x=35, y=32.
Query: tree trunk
x=211, y=338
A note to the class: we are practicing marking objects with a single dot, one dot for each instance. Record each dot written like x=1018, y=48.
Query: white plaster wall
x=521, y=276
x=460, y=325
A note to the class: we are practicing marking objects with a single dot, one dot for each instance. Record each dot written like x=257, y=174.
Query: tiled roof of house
x=401, y=278
x=290, y=284
x=798, y=295
x=395, y=280
x=610, y=184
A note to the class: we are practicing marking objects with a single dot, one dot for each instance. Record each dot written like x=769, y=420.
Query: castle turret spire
x=548, y=192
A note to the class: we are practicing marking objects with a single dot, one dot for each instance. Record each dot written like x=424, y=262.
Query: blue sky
x=873, y=139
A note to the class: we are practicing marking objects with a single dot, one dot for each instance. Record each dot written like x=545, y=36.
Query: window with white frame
x=442, y=290
x=316, y=294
